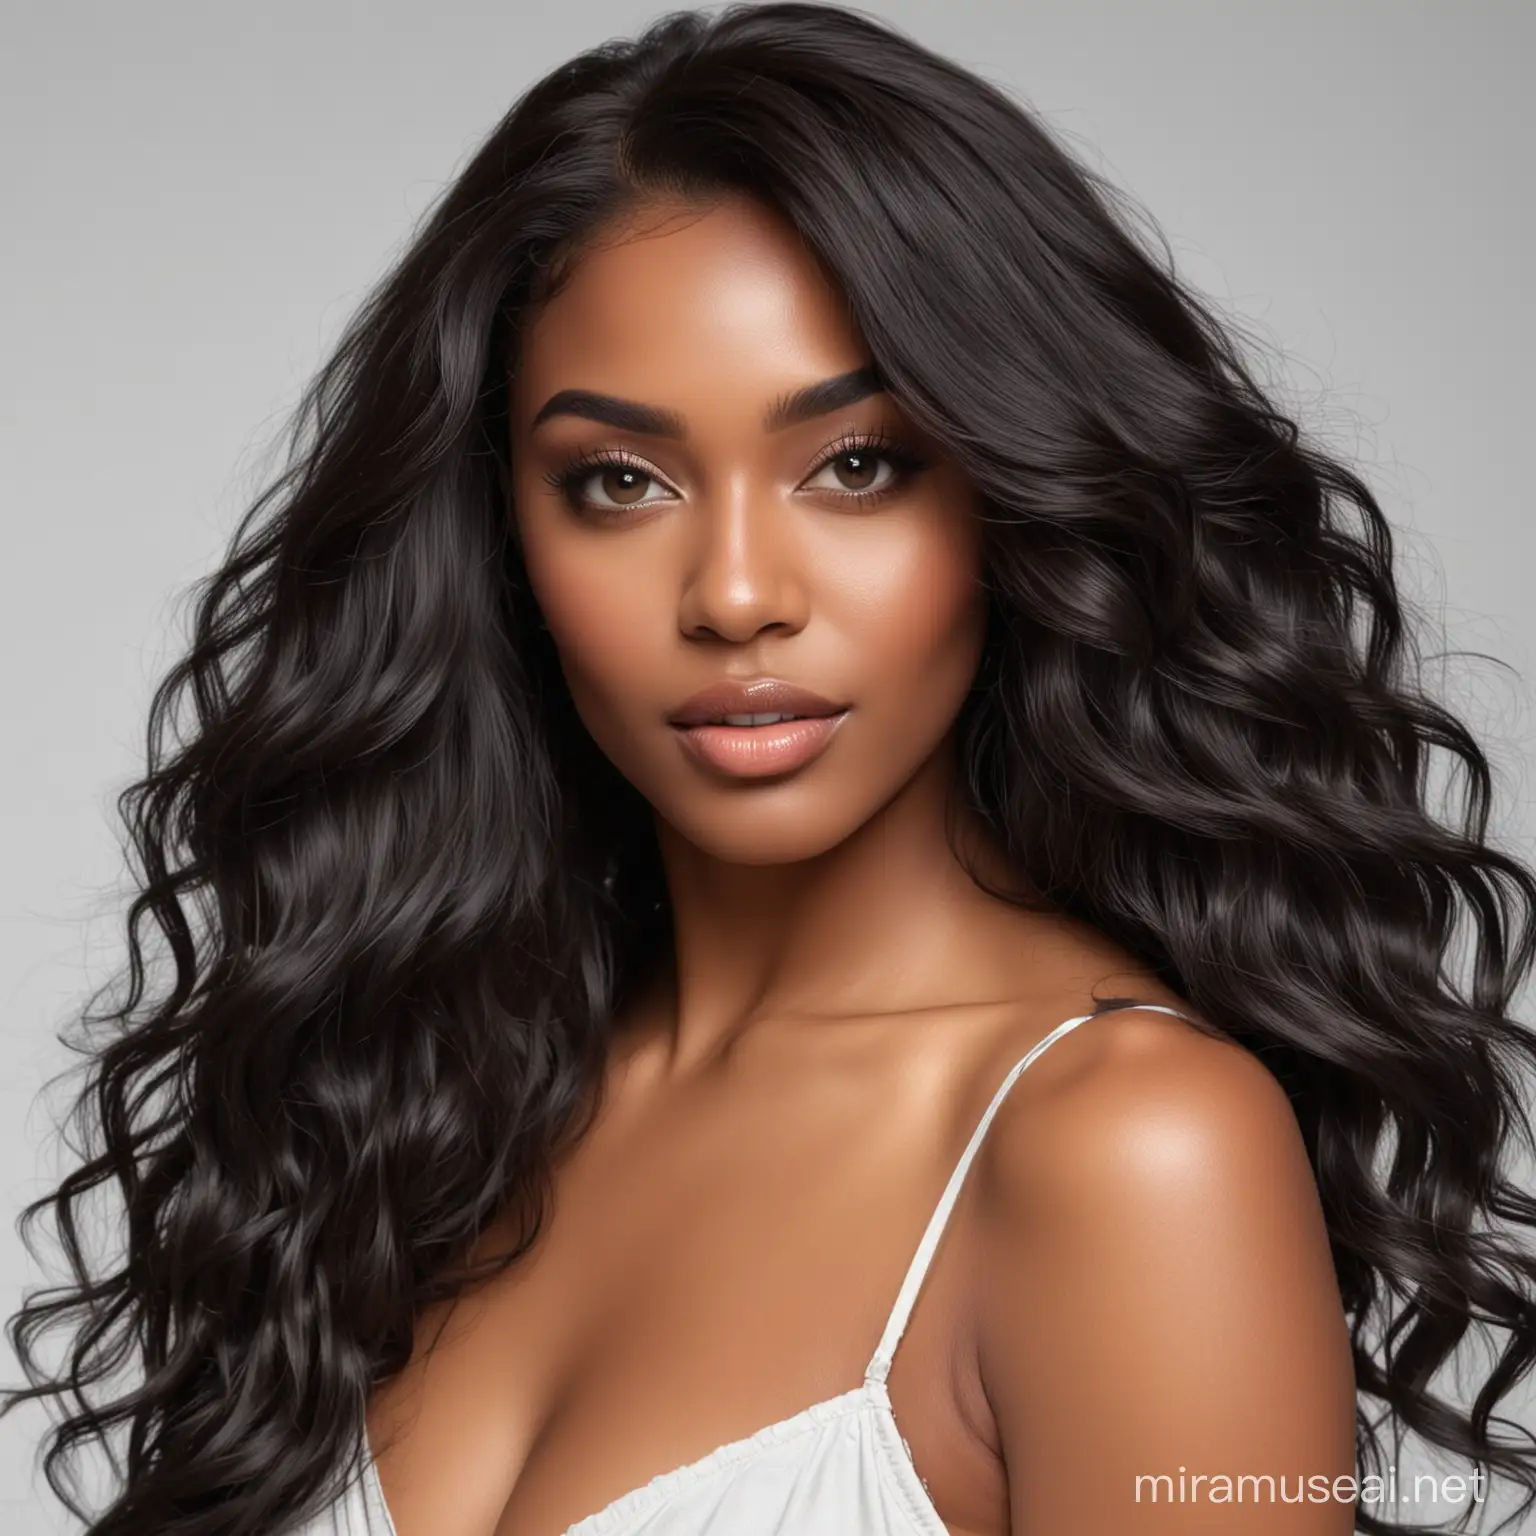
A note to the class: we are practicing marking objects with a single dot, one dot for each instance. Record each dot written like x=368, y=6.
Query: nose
x=745, y=574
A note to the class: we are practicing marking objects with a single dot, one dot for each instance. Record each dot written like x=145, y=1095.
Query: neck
x=885, y=921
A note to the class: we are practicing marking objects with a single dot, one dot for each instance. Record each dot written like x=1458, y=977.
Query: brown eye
x=856, y=470
x=603, y=483
x=862, y=473
x=622, y=484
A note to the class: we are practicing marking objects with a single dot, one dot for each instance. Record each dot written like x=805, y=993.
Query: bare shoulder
x=1155, y=1286
x=1138, y=1130
x=1135, y=1103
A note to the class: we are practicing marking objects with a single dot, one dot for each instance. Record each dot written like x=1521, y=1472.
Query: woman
x=578, y=1077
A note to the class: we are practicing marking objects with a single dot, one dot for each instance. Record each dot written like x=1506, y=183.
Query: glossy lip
x=755, y=696
x=756, y=751
x=759, y=751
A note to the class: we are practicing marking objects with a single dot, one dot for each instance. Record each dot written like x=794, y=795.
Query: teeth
x=755, y=719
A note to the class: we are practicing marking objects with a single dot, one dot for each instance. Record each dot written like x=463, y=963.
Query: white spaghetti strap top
x=837, y=1468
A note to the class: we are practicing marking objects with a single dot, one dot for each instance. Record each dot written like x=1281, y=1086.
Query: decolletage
x=838, y=1468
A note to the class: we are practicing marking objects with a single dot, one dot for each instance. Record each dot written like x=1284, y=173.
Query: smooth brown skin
x=1136, y=1277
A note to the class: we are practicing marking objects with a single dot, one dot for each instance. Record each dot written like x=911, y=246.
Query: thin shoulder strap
x=885, y=1351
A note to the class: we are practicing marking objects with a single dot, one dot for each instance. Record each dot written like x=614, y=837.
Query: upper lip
x=757, y=696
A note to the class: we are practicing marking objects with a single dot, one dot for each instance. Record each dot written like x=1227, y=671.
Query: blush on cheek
x=592, y=622
x=938, y=618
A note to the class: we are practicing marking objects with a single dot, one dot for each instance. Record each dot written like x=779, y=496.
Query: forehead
x=720, y=300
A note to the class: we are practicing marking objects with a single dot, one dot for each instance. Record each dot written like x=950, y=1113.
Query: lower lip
x=759, y=751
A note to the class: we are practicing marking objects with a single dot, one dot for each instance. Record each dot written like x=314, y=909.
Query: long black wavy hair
x=401, y=891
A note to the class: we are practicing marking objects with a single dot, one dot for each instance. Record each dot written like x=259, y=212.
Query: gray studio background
x=193, y=197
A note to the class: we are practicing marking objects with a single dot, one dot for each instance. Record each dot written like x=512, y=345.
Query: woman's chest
x=688, y=1289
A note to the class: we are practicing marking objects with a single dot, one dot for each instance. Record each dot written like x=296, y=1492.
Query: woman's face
x=691, y=523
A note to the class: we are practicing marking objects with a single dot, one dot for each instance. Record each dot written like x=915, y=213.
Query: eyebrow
x=654, y=421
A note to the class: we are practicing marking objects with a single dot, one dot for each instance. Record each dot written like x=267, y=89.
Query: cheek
x=916, y=613
x=604, y=621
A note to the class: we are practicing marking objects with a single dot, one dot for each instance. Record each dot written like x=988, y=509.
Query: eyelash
x=903, y=461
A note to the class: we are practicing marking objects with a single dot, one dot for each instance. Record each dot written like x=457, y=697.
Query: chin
x=760, y=827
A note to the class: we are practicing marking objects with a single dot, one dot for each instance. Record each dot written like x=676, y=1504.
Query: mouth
x=756, y=746
x=753, y=703
x=757, y=727
x=755, y=720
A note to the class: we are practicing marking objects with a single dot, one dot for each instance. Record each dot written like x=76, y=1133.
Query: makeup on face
x=756, y=727
x=761, y=579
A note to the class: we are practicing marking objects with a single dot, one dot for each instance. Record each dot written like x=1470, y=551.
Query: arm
x=1158, y=1296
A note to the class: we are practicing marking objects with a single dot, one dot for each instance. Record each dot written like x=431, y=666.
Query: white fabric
x=837, y=1468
